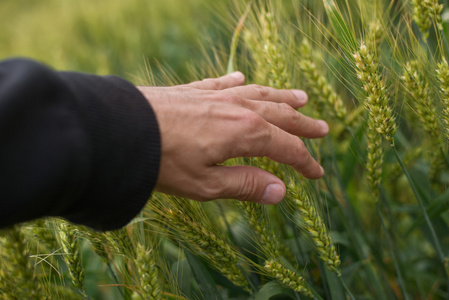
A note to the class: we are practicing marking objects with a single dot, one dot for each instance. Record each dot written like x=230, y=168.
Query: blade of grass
x=436, y=207
x=344, y=34
x=423, y=211
x=393, y=255
x=202, y=277
x=273, y=289
x=348, y=215
x=351, y=296
x=235, y=40
x=446, y=159
x=350, y=159
x=332, y=288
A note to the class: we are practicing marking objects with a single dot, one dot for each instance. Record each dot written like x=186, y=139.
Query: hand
x=204, y=123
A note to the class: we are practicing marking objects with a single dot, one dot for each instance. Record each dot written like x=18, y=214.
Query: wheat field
x=374, y=227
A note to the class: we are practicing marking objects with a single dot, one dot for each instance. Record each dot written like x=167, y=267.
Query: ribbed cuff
x=125, y=145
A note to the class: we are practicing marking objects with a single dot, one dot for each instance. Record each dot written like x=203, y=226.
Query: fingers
x=294, y=98
x=224, y=82
x=257, y=138
x=289, y=149
x=285, y=117
x=246, y=183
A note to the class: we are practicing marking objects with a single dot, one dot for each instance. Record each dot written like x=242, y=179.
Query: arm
x=74, y=145
x=88, y=148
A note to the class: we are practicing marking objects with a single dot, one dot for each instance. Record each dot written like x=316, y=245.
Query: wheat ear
x=312, y=223
x=381, y=121
x=274, y=52
x=17, y=279
x=377, y=100
x=319, y=85
x=422, y=103
x=257, y=219
x=203, y=241
x=148, y=273
x=443, y=77
x=426, y=11
x=287, y=277
x=68, y=237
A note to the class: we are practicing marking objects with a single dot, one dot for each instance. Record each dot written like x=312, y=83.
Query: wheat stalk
x=257, y=219
x=121, y=242
x=319, y=85
x=200, y=238
x=287, y=277
x=376, y=101
x=274, y=52
x=426, y=11
x=43, y=230
x=68, y=237
x=381, y=121
x=312, y=223
x=260, y=70
x=147, y=270
x=443, y=77
x=425, y=108
x=422, y=104
x=98, y=242
x=17, y=279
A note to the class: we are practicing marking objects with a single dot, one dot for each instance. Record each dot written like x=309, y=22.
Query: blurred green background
x=111, y=37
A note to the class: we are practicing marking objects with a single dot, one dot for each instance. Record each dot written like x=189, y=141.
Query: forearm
x=79, y=146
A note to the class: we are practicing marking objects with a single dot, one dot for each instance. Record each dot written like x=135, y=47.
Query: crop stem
x=393, y=256
x=423, y=210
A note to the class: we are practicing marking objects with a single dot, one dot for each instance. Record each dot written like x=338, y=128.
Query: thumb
x=252, y=184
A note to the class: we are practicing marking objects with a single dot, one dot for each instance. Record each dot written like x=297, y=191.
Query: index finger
x=261, y=138
x=295, y=98
x=220, y=83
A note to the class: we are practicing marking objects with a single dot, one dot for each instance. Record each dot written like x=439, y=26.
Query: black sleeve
x=79, y=146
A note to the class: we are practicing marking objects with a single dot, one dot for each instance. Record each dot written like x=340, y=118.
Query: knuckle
x=301, y=148
x=262, y=92
x=286, y=109
x=304, y=161
x=248, y=190
x=243, y=149
x=290, y=115
x=253, y=136
x=211, y=188
x=252, y=120
x=207, y=150
x=301, y=153
x=230, y=98
x=212, y=83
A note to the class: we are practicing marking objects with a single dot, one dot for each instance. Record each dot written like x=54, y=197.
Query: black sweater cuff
x=125, y=144
x=79, y=146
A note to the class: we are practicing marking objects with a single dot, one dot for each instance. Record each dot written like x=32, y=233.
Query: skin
x=204, y=123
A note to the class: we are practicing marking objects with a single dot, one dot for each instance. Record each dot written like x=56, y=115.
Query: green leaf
x=344, y=34
x=353, y=156
x=340, y=238
x=436, y=207
x=235, y=40
x=274, y=289
x=439, y=205
x=182, y=272
x=202, y=277
x=335, y=288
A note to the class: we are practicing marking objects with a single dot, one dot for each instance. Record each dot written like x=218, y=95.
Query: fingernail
x=324, y=126
x=238, y=75
x=301, y=96
x=322, y=171
x=274, y=193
